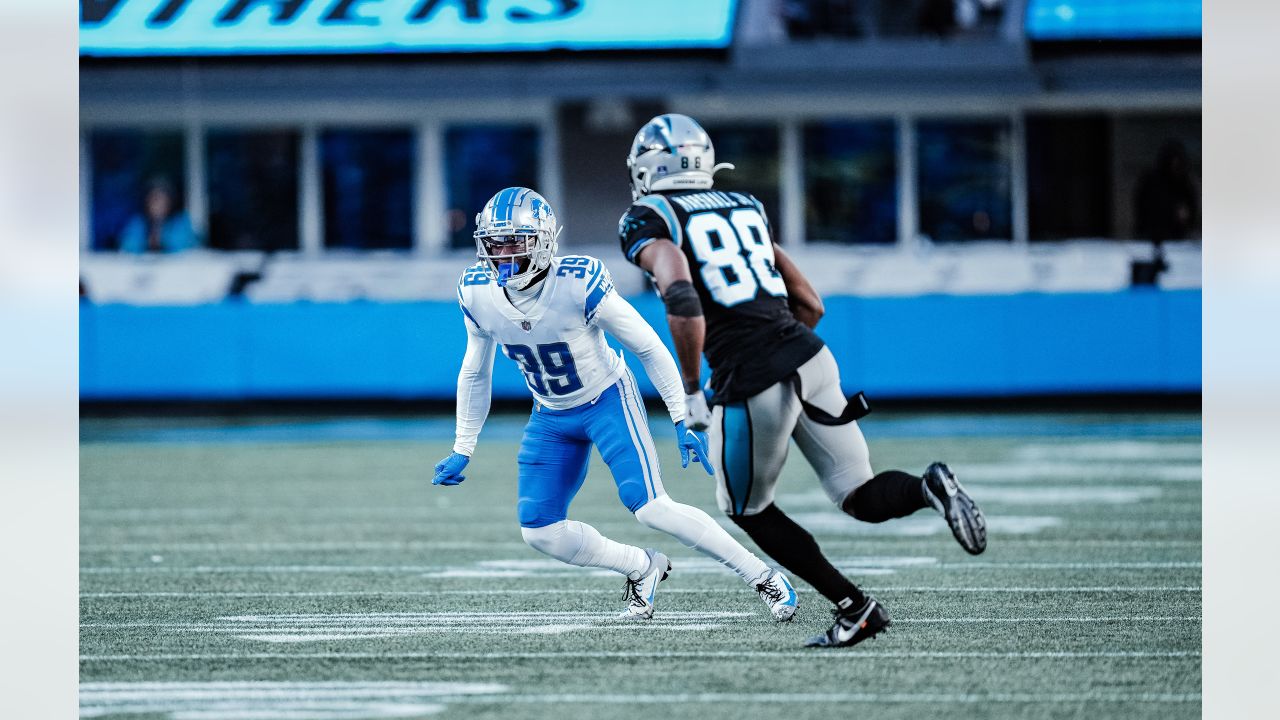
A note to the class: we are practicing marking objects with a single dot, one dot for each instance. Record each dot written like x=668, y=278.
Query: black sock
x=795, y=549
x=891, y=494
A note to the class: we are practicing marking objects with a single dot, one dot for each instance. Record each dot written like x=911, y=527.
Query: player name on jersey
x=712, y=200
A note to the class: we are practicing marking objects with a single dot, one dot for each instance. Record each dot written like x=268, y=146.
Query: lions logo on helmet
x=516, y=236
x=672, y=152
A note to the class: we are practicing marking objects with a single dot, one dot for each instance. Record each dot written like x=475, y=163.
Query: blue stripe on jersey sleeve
x=462, y=304
x=470, y=317
x=635, y=249
x=595, y=296
x=663, y=207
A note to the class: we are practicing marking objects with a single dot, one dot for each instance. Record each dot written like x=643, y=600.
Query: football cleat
x=639, y=592
x=954, y=504
x=779, y=596
x=853, y=626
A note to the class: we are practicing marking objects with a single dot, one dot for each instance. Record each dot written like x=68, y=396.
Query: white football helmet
x=516, y=236
x=672, y=152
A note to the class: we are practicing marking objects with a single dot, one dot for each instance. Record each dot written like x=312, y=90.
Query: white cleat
x=640, y=591
x=779, y=596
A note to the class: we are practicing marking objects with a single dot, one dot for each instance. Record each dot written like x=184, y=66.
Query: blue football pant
x=553, y=464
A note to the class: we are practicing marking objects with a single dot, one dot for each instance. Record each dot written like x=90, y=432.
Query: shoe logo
x=845, y=633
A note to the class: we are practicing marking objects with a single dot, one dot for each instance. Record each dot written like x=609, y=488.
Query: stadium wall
x=1135, y=341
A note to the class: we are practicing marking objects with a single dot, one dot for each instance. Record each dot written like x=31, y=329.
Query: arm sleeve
x=475, y=389
x=619, y=319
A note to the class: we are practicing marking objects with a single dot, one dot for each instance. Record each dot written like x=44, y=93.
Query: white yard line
x=558, y=571
x=410, y=545
x=473, y=621
x=528, y=591
x=660, y=655
x=899, y=698
x=281, y=700
x=320, y=546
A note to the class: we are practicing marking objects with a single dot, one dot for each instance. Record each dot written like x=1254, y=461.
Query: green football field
x=263, y=569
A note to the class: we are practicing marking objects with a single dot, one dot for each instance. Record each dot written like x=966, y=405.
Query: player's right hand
x=697, y=416
x=692, y=448
x=449, y=470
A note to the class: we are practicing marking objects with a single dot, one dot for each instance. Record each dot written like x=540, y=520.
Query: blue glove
x=692, y=448
x=448, y=470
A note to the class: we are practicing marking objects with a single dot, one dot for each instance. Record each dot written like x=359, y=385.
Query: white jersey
x=558, y=341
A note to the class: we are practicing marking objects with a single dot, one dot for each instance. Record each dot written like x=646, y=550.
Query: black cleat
x=953, y=503
x=853, y=626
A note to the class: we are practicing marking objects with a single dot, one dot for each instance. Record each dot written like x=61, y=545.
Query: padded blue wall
x=1142, y=340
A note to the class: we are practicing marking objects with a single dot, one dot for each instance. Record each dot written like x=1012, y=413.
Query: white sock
x=695, y=529
x=580, y=544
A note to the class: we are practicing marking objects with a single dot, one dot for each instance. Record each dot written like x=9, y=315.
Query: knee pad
x=655, y=513
x=554, y=540
x=534, y=514
x=634, y=494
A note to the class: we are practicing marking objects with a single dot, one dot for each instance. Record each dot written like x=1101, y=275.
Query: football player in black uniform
x=732, y=293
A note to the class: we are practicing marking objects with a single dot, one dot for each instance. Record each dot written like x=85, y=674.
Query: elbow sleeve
x=682, y=300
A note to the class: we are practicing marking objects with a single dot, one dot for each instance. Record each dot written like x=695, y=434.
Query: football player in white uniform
x=549, y=315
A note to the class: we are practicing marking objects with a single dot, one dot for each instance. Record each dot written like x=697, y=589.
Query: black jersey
x=753, y=340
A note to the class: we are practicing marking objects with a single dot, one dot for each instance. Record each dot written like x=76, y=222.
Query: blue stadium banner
x=132, y=28
x=1113, y=19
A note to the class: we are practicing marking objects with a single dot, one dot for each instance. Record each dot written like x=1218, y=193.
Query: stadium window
x=125, y=163
x=480, y=161
x=1069, y=186
x=850, y=182
x=964, y=179
x=368, y=189
x=1155, y=197
x=253, y=189
x=753, y=149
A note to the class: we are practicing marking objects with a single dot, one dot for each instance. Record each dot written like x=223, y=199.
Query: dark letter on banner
x=167, y=13
x=286, y=10
x=96, y=12
x=471, y=10
x=567, y=8
x=340, y=14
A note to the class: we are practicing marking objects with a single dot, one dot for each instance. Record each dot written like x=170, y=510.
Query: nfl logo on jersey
x=525, y=325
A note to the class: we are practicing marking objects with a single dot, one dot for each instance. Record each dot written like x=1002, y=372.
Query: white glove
x=697, y=416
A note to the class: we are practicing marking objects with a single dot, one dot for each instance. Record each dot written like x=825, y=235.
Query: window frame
x=427, y=119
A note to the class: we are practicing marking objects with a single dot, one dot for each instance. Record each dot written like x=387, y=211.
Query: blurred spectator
x=1166, y=201
x=1165, y=208
x=806, y=19
x=945, y=18
x=161, y=227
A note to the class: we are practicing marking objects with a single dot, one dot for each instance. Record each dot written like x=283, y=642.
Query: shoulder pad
x=662, y=208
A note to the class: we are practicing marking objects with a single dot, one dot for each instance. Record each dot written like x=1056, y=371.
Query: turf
x=308, y=569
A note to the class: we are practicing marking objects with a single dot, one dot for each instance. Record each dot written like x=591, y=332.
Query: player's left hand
x=449, y=470
x=692, y=448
